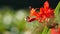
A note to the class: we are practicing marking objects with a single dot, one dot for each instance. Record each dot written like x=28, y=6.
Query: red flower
x=55, y=31
x=45, y=13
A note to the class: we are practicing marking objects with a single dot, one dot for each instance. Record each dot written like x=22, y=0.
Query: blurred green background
x=13, y=22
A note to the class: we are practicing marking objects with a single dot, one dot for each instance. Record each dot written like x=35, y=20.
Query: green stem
x=46, y=29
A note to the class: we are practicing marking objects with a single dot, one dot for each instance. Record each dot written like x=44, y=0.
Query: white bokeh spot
x=7, y=19
x=20, y=14
x=28, y=32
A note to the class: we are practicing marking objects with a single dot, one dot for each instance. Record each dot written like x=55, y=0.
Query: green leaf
x=57, y=9
x=45, y=30
x=49, y=31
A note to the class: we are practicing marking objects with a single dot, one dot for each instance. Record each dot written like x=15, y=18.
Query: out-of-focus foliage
x=12, y=22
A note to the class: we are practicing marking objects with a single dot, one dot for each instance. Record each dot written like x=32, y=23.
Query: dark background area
x=20, y=4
